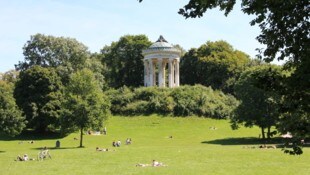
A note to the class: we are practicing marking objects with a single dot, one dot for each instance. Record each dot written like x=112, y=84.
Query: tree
x=10, y=76
x=94, y=64
x=257, y=89
x=38, y=94
x=214, y=64
x=67, y=54
x=124, y=61
x=84, y=106
x=12, y=121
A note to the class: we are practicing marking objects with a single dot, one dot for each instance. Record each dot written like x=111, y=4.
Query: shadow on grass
x=54, y=148
x=2, y=151
x=279, y=142
x=244, y=141
x=31, y=135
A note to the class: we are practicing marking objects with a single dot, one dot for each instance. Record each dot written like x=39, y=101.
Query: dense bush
x=181, y=101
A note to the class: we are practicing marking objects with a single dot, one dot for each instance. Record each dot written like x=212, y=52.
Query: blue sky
x=97, y=23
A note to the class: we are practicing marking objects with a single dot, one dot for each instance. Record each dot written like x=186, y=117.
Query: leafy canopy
x=50, y=51
x=214, y=64
x=257, y=89
x=124, y=61
x=84, y=105
x=38, y=94
x=12, y=122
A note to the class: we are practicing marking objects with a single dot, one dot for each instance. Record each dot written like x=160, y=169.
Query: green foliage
x=125, y=61
x=10, y=76
x=94, y=64
x=84, y=106
x=38, y=94
x=65, y=54
x=50, y=51
x=12, y=122
x=284, y=24
x=260, y=99
x=214, y=64
x=119, y=99
x=182, y=101
x=203, y=101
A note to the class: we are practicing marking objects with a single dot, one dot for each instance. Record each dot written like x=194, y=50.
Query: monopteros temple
x=159, y=57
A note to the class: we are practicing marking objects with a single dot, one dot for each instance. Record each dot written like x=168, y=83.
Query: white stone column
x=177, y=73
x=160, y=72
x=164, y=73
x=171, y=73
x=151, y=72
x=154, y=72
x=145, y=73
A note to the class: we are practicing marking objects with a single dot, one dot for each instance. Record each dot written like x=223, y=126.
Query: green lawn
x=194, y=149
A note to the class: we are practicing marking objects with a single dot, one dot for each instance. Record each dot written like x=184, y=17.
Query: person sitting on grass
x=20, y=158
x=128, y=141
x=26, y=158
x=118, y=143
x=44, y=153
x=23, y=158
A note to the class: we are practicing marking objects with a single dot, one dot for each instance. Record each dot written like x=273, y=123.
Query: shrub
x=181, y=101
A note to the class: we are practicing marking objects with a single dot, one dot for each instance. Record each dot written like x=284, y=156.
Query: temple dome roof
x=161, y=43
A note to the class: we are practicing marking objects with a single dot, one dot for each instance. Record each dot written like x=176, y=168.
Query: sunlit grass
x=193, y=149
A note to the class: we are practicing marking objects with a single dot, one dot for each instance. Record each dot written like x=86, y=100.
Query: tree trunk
x=81, y=137
x=268, y=132
x=263, y=133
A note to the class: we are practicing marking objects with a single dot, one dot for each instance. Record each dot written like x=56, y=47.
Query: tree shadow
x=31, y=135
x=2, y=151
x=245, y=141
x=54, y=148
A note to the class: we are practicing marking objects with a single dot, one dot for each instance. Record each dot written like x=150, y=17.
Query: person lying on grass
x=103, y=149
x=154, y=164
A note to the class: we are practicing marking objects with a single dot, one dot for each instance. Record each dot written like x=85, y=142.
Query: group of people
x=264, y=146
x=116, y=143
x=104, y=132
x=44, y=153
x=31, y=142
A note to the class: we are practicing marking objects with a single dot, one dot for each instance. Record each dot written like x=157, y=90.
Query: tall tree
x=67, y=54
x=84, y=106
x=257, y=89
x=214, y=64
x=38, y=94
x=12, y=121
x=124, y=60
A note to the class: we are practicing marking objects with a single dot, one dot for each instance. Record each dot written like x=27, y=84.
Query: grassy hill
x=195, y=148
